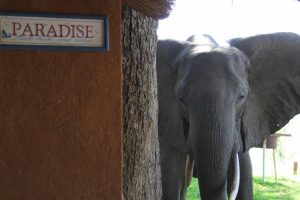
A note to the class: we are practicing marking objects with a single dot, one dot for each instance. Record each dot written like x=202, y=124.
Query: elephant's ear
x=170, y=121
x=274, y=81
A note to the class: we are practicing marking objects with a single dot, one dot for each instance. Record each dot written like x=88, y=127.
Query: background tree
x=141, y=169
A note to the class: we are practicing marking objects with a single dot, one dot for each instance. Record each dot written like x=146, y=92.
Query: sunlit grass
x=283, y=189
x=193, y=192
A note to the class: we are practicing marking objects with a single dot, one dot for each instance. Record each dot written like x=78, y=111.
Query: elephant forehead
x=208, y=83
x=206, y=87
x=218, y=66
x=220, y=63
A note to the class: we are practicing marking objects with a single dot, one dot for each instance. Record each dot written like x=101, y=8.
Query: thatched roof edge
x=157, y=9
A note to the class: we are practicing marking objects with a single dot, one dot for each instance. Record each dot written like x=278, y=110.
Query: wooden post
x=295, y=168
x=274, y=163
x=264, y=161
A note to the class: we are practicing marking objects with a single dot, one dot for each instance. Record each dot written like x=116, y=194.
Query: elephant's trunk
x=212, y=140
x=189, y=166
x=236, y=179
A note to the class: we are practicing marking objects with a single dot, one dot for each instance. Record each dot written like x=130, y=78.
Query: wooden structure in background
x=156, y=9
x=271, y=143
x=61, y=111
x=60, y=114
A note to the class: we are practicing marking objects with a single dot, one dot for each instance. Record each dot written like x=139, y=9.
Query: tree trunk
x=141, y=169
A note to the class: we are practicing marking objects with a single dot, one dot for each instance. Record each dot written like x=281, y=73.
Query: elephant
x=195, y=82
x=215, y=103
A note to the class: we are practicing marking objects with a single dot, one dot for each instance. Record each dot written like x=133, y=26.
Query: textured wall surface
x=60, y=114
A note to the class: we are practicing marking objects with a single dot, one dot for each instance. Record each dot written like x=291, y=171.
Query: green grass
x=193, y=191
x=284, y=189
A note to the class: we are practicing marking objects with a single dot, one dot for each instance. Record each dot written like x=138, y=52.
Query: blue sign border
x=105, y=48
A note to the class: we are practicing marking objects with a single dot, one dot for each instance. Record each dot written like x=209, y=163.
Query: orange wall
x=60, y=114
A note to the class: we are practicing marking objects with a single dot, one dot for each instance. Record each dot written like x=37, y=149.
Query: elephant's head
x=210, y=89
x=223, y=109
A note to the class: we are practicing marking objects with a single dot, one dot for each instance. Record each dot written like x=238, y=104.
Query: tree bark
x=141, y=168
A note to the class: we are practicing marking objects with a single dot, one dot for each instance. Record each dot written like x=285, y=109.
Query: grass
x=283, y=189
x=193, y=192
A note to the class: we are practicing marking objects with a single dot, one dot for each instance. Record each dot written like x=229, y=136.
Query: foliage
x=283, y=189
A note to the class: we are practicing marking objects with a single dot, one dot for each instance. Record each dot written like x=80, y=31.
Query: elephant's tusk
x=189, y=166
x=236, y=178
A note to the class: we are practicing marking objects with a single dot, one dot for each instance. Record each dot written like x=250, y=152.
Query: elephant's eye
x=242, y=97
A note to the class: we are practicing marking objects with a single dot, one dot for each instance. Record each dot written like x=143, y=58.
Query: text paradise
x=52, y=30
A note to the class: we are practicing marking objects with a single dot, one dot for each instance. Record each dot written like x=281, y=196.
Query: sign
x=58, y=32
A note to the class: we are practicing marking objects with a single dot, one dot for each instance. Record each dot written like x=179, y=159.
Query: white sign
x=79, y=33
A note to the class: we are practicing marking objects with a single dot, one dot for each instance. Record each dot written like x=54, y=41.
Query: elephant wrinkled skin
x=217, y=102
